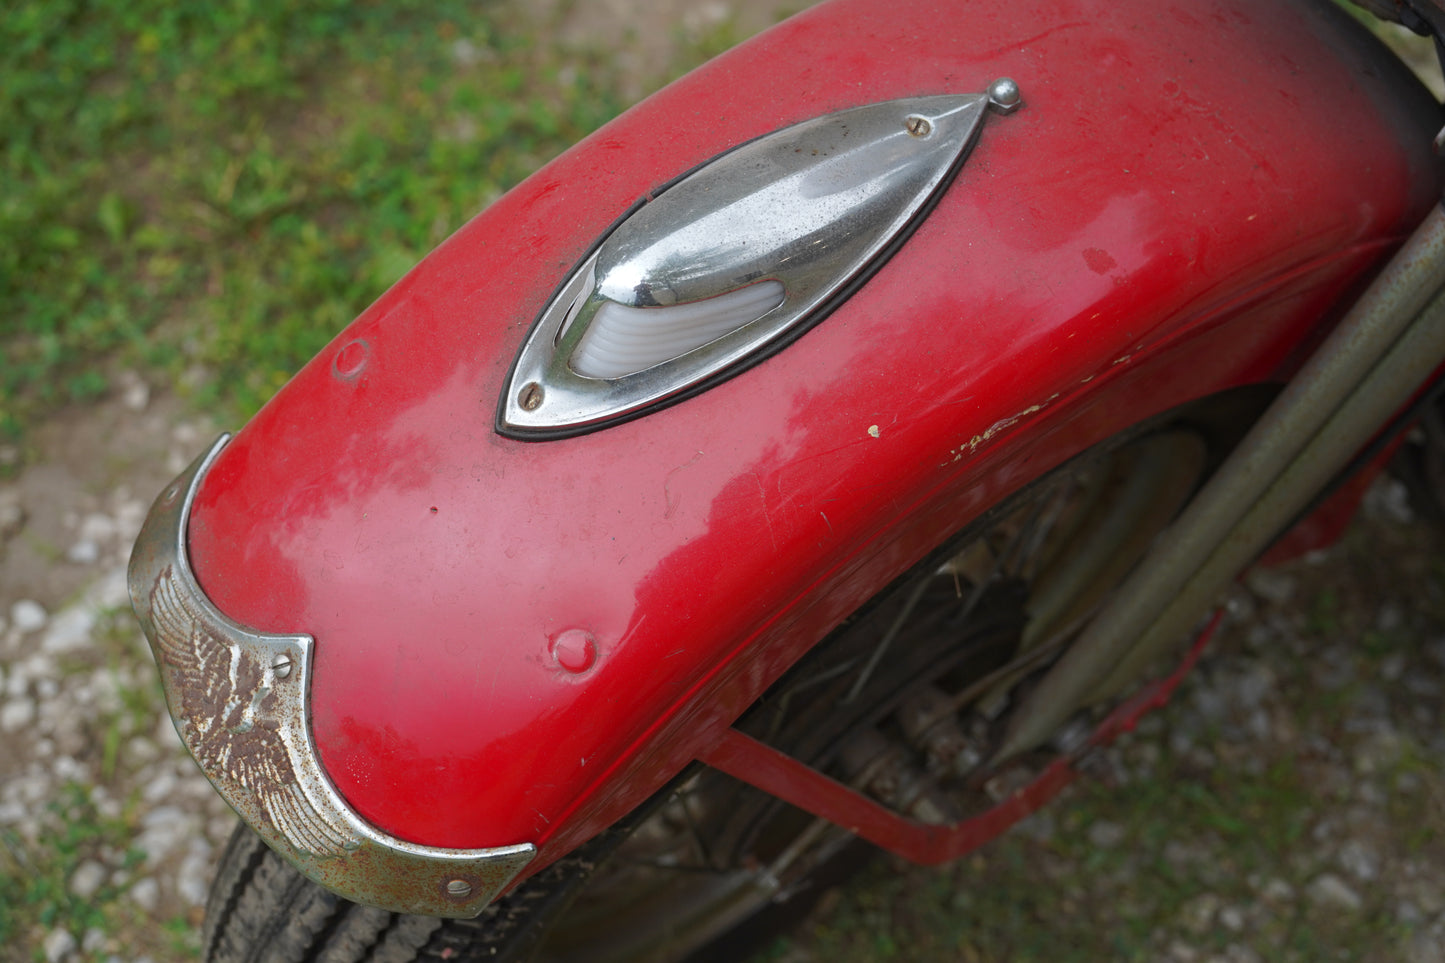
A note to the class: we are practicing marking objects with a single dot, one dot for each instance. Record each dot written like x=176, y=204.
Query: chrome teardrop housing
x=734, y=260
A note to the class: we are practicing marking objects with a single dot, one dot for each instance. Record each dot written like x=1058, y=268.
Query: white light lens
x=624, y=340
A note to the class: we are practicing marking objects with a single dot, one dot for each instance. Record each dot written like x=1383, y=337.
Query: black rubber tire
x=262, y=910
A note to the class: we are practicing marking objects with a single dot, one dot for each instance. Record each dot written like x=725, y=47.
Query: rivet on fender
x=1004, y=95
x=575, y=650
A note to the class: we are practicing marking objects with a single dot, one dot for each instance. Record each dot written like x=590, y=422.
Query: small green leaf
x=113, y=216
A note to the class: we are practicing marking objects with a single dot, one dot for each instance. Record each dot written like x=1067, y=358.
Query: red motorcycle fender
x=518, y=641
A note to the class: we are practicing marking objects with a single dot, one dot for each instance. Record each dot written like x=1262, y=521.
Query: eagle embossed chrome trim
x=736, y=259
x=239, y=700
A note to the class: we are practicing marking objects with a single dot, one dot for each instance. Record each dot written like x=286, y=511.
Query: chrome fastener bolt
x=459, y=889
x=918, y=126
x=1004, y=95
x=531, y=397
x=282, y=666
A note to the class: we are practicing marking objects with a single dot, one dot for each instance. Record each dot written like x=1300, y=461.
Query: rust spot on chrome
x=223, y=697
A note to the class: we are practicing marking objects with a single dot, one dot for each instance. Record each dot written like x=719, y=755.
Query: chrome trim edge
x=240, y=701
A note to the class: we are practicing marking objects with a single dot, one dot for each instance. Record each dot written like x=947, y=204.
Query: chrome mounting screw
x=918, y=126
x=459, y=889
x=282, y=666
x=531, y=397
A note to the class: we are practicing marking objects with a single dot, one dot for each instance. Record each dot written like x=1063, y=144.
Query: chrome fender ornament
x=735, y=260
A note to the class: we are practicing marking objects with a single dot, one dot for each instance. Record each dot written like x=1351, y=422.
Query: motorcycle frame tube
x=1330, y=384
x=759, y=765
x=1419, y=352
x=1085, y=273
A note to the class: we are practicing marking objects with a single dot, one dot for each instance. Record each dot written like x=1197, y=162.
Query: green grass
x=34, y=878
x=211, y=193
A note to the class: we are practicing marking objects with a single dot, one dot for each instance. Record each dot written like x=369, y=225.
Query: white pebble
x=193, y=877
x=1106, y=835
x=84, y=552
x=94, y=940
x=128, y=520
x=1360, y=860
x=12, y=513
x=87, y=879
x=70, y=631
x=141, y=750
x=28, y=616
x=59, y=945
x=1197, y=915
x=1277, y=891
x=97, y=527
x=161, y=787
x=166, y=829
x=67, y=769
x=136, y=395
x=146, y=894
x=111, y=591
x=17, y=713
x=1271, y=585
x=1328, y=891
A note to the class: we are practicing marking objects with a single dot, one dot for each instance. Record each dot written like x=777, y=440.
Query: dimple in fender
x=831, y=445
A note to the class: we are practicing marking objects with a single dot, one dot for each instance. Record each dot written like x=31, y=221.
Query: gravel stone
x=70, y=631
x=1199, y=913
x=1358, y=858
x=161, y=786
x=1271, y=585
x=1390, y=617
x=93, y=941
x=87, y=879
x=111, y=592
x=1182, y=952
x=1378, y=751
x=59, y=945
x=146, y=894
x=193, y=879
x=1393, y=666
x=1329, y=892
x=17, y=713
x=12, y=513
x=1106, y=835
x=1040, y=827
x=135, y=394
x=1389, y=500
x=1254, y=683
x=28, y=616
x=97, y=527
x=165, y=830
x=84, y=552
x=1426, y=946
